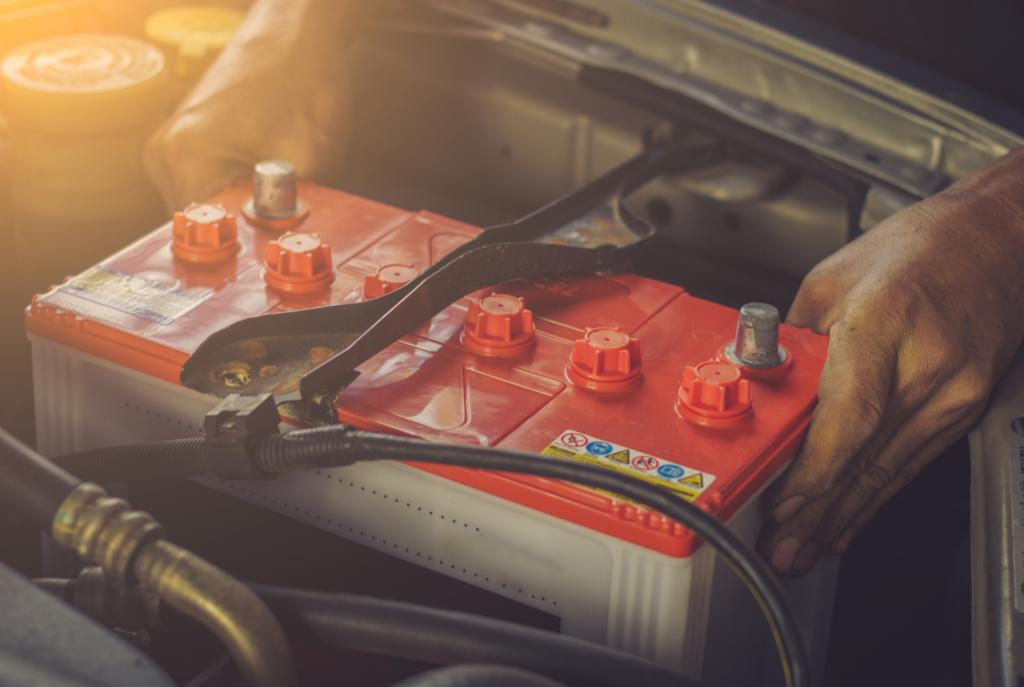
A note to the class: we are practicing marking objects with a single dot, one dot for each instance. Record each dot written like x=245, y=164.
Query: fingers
x=931, y=450
x=823, y=291
x=853, y=396
x=814, y=301
x=874, y=478
x=886, y=474
x=186, y=165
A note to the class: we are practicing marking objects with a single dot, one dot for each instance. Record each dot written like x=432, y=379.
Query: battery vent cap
x=714, y=394
x=388, y=278
x=299, y=264
x=204, y=234
x=498, y=326
x=605, y=360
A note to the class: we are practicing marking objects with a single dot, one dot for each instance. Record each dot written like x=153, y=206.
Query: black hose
x=340, y=445
x=441, y=637
x=161, y=460
x=481, y=676
x=30, y=485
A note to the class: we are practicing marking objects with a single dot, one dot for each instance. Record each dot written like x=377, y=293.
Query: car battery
x=618, y=370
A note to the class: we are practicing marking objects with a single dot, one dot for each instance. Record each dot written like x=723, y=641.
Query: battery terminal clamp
x=232, y=431
x=588, y=231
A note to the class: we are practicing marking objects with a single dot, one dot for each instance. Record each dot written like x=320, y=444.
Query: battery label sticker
x=134, y=295
x=579, y=446
x=1017, y=529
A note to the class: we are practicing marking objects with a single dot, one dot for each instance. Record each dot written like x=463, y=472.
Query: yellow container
x=193, y=35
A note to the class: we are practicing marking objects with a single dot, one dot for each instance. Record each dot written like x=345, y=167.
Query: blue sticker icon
x=671, y=471
x=599, y=448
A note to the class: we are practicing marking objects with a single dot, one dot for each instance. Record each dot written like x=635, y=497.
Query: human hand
x=924, y=312
x=279, y=90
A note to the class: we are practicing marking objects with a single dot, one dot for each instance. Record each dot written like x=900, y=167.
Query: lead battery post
x=275, y=204
x=755, y=348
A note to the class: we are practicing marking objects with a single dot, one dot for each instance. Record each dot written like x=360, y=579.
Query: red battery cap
x=298, y=263
x=388, y=278
x=498, y=326
x=714, y=394
x=204, y=234
x=605, y=360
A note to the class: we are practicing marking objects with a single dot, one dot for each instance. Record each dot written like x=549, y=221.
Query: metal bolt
x=234, y=374
x=275, y=189
x=757, y=337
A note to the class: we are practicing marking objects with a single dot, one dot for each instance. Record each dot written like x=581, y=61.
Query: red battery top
x=620, y=371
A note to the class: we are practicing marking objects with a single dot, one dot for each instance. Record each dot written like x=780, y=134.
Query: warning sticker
x=134, y=295
x=679, y=478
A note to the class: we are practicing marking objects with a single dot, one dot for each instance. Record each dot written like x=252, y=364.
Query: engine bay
x=358, y=394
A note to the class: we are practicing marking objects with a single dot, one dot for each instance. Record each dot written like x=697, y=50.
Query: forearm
x=308, y=37
x=985, y=210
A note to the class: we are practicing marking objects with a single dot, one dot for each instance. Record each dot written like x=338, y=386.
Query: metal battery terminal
x=275, y=204
x=756, y=348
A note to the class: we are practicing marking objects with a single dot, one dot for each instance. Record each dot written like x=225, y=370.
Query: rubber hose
x=409, y=631
x=479, y=676
x=338, y=445
x=30, y=485
x=162, y=460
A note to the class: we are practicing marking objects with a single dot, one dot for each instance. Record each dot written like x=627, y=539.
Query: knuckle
x=973, y=385
x=806, y=521
x=864, y=407
x=963, y=397
x=818, y=286
x=873, y=480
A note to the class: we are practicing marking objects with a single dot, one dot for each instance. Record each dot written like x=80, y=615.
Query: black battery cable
x=242, y=443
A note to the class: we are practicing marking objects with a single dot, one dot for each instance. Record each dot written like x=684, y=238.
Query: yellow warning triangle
x=694, y=480
x=621, y=456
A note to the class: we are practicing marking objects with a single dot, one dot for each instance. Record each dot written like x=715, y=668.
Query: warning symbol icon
x=645, y=463
x=620, y=456
x=694, y=480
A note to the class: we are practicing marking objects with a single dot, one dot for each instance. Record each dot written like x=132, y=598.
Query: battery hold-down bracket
x=588, y=231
